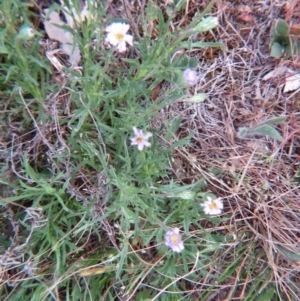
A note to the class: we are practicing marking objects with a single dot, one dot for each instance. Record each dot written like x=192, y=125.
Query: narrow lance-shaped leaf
x=275, y=120
x=200, y=45
x=289, y=254
x=176, y=123
x=268, y=131
x=267, y=294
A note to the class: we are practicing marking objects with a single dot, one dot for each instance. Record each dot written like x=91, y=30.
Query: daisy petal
x=122, y=46
x=140, y=147
x=125, y=28
x=129, y=39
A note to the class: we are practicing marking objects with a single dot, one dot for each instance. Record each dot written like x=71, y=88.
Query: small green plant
x=281, y=40
x=264, y=128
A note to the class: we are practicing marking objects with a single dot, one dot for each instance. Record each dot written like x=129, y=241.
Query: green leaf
x=187, y=195
x=183, y=141
x=268, y=131
x=174, y=189
x=207, y=9
x=133, y=62
x=289, y=254
x=201, y=45
x=288, y=49
x=175, y=124
x=282, y=28
x=275, y=120
x=196, y=98
x=123, y=254
x=206, y=24
x=193, y=62
x=5, y=241
x=40, y=63
x=267, y=294
x=3, y=49
x=82, y=115
x=276, y=50
x=228, y=271
x=18, y=198
x=151, y=11
x=29, y=170
x=280, y=36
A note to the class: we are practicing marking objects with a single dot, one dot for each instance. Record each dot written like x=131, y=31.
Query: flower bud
x=26, y=33
x=190, y=77
x=187, y=195
x=196, y=98
x=207, y=24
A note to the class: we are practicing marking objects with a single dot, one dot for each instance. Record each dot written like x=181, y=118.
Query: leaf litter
x=57, y=30
x=291, y=78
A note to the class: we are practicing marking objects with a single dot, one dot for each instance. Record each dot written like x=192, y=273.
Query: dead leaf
x=276, y=72
x=244, y=9
x=73, y=15
x=248, y=18
x=155, y=92
x=54, y=32
x=295, y=30
x=72, y=52
x=292, y=78
x=55, y=62
x=290, y=9
x=292, y=81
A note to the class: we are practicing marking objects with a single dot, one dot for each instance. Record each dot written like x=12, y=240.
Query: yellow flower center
x=174, y=239
x=213, y=206
x=139, y=140
x=119, y=37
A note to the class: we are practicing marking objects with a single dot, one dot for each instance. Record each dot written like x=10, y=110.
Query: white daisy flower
x=212, y=207
x=173, y=240
x=117, y=35
x=140, y=139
